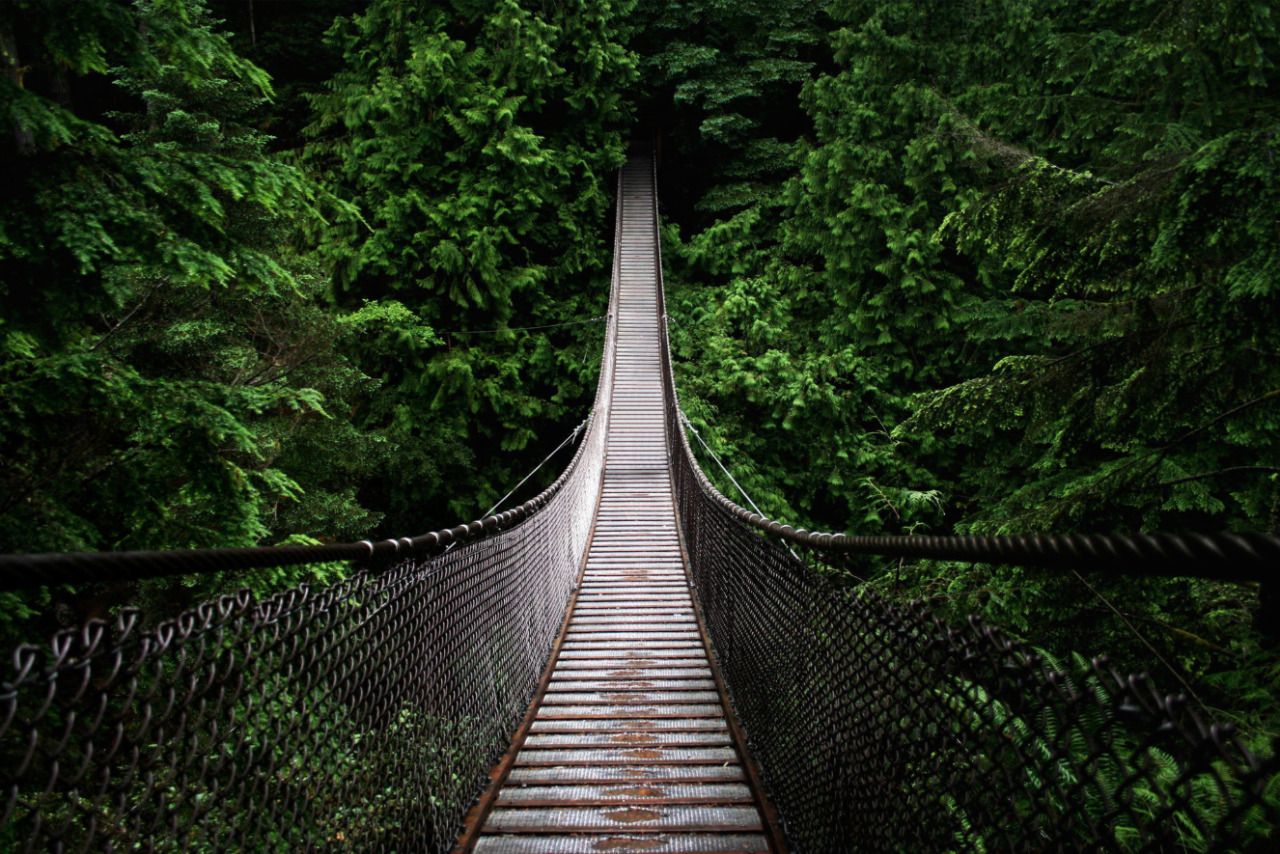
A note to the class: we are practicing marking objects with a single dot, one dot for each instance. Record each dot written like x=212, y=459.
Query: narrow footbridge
x=629, y=662
x=629, y=746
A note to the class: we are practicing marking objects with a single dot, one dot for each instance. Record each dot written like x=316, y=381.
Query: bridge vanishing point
x=629, y=662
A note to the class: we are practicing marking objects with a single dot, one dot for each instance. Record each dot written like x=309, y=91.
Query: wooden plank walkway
x=630, y=748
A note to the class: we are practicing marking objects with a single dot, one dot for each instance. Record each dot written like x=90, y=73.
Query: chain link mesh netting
x=880, y=728
x=359, y=717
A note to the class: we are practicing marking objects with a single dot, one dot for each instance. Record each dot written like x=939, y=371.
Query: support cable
x=698, y=436
x=528, y=328
x=37, y=570
x=570, y=438
x=707, y=448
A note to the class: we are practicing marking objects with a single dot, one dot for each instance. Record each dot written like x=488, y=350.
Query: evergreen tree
x=166, y=356
x=1025, y=286
x=479, y=140
x=1140, y=285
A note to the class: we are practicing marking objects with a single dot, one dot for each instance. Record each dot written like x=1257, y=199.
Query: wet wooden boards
x=630, y=749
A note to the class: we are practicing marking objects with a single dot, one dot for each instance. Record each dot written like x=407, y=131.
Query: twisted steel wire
x=363, y=716
x=1225, y=556
x=36, y=570
x=879, y=727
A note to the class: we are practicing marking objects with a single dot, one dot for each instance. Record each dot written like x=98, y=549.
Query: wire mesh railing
x=879, y=727
x=357, y=717
x=363, y=716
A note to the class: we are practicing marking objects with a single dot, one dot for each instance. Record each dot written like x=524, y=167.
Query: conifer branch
x=1010, y=156
x=1141, y=637
x=1209, y=474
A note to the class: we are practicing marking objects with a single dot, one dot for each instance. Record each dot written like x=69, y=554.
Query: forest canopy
x=268, y=272
x=1013, y=270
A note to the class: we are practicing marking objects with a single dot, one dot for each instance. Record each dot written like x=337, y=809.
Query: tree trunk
x=24, y=140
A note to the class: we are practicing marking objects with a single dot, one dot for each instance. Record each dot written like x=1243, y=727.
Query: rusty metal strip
x=648, y=739
x=772, y=822
x=621, y=843
x=628, y=829
x=637, y=802
x=610, y=763
x=638, y=714
x=479, y=813
x=657, y=779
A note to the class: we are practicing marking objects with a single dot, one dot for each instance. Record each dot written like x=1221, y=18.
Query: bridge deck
x=630, y=747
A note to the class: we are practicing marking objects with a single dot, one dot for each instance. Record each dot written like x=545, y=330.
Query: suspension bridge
x=629, y=662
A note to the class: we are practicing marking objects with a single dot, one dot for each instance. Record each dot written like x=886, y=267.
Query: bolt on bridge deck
x=629, y=746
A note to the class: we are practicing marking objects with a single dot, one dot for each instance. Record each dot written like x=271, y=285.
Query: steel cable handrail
x=18, y=571
x=879, y=727
x=360, y=716
x=1225, y=556
x=33, y=570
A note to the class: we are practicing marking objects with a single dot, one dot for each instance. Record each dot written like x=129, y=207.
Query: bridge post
x=1267, y=618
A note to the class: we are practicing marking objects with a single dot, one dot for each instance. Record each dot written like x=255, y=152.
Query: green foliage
x=156, y=197
x=480, y=143
x=1096, y=758
x=174, y=368
x=1022, y=280
x=171, y=373
x=953, y=267
x=723, y=82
